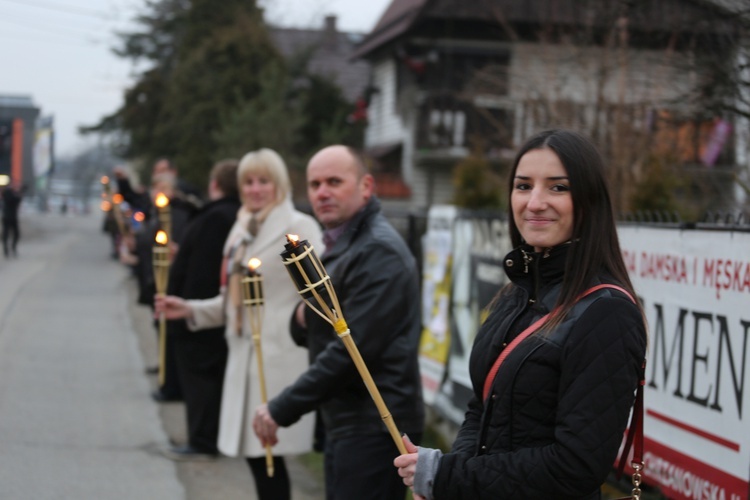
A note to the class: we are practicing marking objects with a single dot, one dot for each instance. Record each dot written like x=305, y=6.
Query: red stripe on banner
x=681, y=477
x=694, y=430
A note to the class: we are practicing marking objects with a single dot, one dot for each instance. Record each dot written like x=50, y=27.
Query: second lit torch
x=165, y=214
x=161, y=279
x=252, y=295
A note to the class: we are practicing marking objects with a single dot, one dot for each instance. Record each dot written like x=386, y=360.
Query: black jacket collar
x=535, y=271
x=360, y=219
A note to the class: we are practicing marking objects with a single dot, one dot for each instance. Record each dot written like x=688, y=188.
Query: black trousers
x=200, y=359
x=12, y=233
x=270, y=488
x=361, y=467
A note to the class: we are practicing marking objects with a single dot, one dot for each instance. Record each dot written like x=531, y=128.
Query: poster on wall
x=695, y=288
x=436, y=295
x=480, y=241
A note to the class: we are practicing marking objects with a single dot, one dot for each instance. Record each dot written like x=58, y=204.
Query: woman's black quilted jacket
x=555, y=416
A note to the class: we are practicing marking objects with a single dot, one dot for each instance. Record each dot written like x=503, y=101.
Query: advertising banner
x=479, y=242
x=436, y=296
x=695, y=288
x=42, y=151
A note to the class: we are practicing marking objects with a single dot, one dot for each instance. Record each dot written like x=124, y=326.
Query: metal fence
x=412, y=224
x=711, y=220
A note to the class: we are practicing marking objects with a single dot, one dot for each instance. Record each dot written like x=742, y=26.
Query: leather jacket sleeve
x=370, y=296
x=297, y=331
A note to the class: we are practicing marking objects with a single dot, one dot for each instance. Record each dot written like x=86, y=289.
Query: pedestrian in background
x=547, y=420
x=11, y=231
x=266, y=216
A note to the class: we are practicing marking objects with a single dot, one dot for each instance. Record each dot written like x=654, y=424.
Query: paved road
x=76, y=421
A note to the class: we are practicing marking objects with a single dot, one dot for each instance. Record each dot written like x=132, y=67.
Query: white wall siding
x=441, y=185
x=742, y=133
x=385, y=125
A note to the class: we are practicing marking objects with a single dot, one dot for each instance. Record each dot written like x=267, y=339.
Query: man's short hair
x=225, y=174
x=360, y=161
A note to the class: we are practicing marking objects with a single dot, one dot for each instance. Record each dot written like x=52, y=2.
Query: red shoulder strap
x=528, y=331
x=504, y=354
x=634, y=437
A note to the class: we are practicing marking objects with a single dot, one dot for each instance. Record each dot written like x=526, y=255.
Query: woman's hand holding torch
x=172, y=307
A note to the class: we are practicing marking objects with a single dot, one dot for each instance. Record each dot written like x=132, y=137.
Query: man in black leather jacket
x=376, y=281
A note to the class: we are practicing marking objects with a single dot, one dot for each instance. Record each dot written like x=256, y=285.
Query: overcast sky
x=58, y=52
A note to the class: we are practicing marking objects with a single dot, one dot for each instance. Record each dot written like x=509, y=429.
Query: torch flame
x=253, y=263
x=293, y=239
x=105, y=179
x=161, y=200
x=106, y=206
x=117, y=198
x=161, y=237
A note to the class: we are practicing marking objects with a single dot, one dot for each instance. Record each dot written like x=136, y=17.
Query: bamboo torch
x=165, y=214
x=161, y=278
x=114, y=201
x=252, y=293
x=313, y=284
x=117, y=200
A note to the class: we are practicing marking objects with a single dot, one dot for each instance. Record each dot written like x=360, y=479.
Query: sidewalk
x=76, y=419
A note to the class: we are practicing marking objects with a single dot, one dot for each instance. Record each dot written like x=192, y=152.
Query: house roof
x=16, y=101
x=656, y=15
x=330, y=54
x=395, y=21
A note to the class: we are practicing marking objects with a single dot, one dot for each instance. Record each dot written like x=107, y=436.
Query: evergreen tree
x=476, y=185
x=326, y=111
x=206, y=60
x=271, y=120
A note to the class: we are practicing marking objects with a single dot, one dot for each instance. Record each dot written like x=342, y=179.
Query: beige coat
x=283, y=360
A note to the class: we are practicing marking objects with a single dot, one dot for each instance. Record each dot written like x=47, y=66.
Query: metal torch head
x=307, y=271
x=252, y=284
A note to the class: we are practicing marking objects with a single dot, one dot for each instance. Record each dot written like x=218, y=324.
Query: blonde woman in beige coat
x=266, y=216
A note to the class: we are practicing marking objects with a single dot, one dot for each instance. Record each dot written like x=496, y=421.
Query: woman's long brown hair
x=595, y=247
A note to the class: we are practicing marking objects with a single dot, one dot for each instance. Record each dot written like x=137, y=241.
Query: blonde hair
x=269, y=163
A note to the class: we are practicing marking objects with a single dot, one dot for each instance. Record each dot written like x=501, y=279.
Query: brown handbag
x=635, y=440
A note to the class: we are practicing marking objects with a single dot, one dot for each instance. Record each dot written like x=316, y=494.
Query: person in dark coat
x=549, y=421
x=181, y=211
x=11, y=232
x=377, y=283
x=201, y=356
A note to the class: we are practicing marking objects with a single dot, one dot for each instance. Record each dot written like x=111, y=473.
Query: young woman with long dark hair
x=549, y=421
